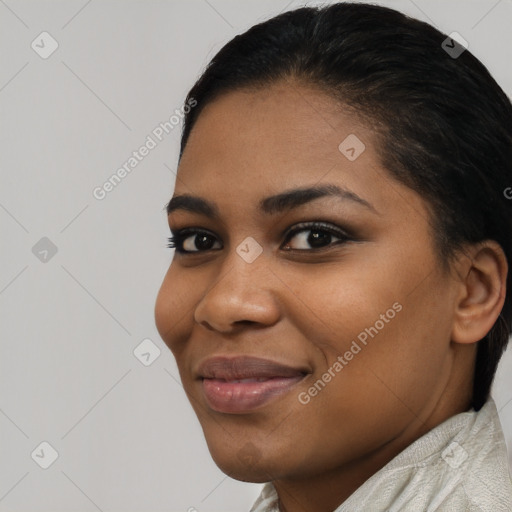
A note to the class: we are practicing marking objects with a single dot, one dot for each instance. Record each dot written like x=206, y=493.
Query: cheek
x=163, y=308
x=392, y=334
x=335, y=304
x=395, y=358
x=171, y=306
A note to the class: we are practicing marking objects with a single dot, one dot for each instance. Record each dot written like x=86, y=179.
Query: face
x=342, y=286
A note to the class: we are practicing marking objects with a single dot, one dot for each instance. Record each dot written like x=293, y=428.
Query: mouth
x=243, y=384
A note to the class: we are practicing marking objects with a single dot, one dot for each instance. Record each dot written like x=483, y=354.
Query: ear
x=483, y=271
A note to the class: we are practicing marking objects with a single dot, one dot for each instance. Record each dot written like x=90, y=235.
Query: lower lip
x=240, y=397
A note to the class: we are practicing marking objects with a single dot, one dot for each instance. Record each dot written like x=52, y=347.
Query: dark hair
x=442, y=123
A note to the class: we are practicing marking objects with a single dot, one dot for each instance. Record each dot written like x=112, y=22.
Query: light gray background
x=125, y=433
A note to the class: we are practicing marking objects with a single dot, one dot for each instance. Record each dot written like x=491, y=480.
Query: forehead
x=272, y=123
x=253, y=143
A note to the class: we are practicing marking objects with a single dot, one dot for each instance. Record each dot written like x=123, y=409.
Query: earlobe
x=482, y=292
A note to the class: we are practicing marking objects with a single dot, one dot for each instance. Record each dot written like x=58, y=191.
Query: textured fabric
x=459, y=466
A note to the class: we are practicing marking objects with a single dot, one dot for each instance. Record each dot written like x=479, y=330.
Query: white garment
x=459, y=466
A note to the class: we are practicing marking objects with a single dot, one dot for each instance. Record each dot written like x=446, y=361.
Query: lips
x=244, y=383
x=246, y=367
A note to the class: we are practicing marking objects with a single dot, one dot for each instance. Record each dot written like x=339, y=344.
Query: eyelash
x=176, y=241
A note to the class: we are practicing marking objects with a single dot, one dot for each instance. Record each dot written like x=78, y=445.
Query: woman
x=339, y=297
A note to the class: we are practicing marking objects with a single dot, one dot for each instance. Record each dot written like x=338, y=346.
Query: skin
x=305, y=307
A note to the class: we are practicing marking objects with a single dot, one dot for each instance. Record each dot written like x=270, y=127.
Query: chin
x=247, y=464
x=253, y=476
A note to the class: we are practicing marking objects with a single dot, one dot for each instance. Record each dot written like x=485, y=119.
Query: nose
x=242, y=294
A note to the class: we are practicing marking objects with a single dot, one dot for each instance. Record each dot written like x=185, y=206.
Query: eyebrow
x=270, y=205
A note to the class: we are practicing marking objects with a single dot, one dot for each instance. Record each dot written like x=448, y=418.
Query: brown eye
x=315, y=236
x=192, y=241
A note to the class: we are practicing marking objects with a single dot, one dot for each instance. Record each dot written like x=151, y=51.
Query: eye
x=191, y=240
x=309, y=236
x=316, y=235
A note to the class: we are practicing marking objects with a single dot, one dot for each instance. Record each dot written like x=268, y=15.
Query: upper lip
x=246, y=367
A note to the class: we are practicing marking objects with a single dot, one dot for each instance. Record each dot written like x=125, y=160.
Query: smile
x=243, y=384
